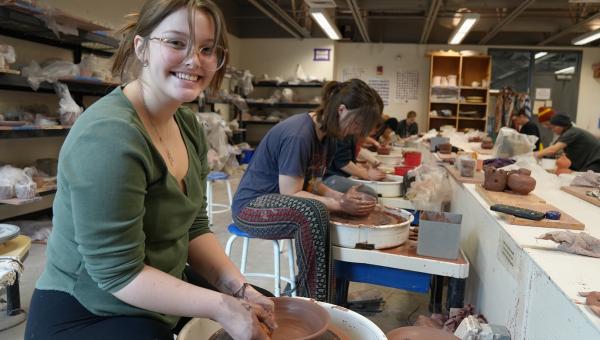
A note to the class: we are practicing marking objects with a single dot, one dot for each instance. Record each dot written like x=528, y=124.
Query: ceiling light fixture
x=586, y=38
x=464, y=26
x=540, y=54
x=327, y=25
x=566, y=70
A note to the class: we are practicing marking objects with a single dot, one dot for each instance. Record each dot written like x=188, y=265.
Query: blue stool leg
x=276, y=269
x=244, y=255
x=292, y=269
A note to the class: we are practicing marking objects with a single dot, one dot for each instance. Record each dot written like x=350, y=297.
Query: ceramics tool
x=553, y=215
x=519, y=212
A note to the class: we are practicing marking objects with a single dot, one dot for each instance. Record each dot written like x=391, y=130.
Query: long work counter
x=523, y=282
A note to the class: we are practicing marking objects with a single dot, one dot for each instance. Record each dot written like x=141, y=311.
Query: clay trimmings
x=375, y=218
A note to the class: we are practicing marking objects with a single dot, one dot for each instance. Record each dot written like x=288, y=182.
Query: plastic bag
x=216, y=130
x=7, y=56
x=510, y=143
x=92, y=66
x=430, y=189
x=69, y=110
x=53, y=71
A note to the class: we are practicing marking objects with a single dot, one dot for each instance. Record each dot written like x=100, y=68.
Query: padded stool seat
x=211, y=179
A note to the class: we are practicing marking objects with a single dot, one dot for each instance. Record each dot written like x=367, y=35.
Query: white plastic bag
x=510, y=143
x=69, y=110
x=53, y=71
x=7, y=56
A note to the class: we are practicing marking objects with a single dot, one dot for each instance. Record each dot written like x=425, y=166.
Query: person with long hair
x=130, y=207
x=281, y=195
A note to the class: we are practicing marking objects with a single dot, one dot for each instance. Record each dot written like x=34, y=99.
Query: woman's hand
x=255, y=297
x=243, y=320
x=355, y=203
x=375, y=174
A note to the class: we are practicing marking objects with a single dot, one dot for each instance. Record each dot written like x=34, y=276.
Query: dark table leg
x=435, y=294
x=13, y=298
x=341, y=292
x=456, y=292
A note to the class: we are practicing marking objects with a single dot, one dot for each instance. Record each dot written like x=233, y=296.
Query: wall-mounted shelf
x=33, y=131
x=284, y=84
x=22, y=22
x=83, y=86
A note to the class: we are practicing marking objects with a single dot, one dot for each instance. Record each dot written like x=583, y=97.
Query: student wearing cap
x=544, y=115
x=580, y=146
x=528, y=127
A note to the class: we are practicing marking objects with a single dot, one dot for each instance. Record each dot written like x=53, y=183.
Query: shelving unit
x=254, y=130
x=22, y=21
x=452, y=103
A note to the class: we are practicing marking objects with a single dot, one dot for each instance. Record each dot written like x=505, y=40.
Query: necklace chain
x=161, y=141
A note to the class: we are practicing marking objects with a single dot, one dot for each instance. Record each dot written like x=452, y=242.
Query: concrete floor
x=399, y=307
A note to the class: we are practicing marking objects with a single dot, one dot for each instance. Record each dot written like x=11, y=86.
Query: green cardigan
x=118, y=208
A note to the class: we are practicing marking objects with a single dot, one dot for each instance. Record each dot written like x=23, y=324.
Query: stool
x=13, y=251
x=236, y=232
x=213, y=177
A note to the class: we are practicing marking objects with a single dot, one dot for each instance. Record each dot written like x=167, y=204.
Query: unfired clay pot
x=494, y=179
x=445, y=148
x=487, y=143
x=475, y=139
x=520, y=183
x=562, y=165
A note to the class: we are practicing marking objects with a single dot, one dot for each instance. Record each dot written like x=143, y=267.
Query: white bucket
x=354, y=325
x=385, y=189
x=381, y=237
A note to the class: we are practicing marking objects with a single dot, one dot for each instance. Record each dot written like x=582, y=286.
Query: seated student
x=344, y=165
x=528, y=127
x=385, y=135
x=580, y=146
x=408, y=127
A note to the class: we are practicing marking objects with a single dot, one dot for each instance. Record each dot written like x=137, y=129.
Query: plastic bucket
x=412, y=158
x=402, y=170
x=246, y=156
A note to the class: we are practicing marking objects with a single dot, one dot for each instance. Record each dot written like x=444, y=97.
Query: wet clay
x=296, y=319
x=487, y=143
x=445, y=148
x=494, y=179
x=520, y=183
x=375, y=218
x=384, y=150
x=420, y=333
x=562, y=165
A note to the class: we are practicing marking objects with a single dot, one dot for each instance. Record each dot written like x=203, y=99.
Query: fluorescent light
x=586, y=38
x=540, y=54
x=566, y=70
x=464, y=26
x=327, y=25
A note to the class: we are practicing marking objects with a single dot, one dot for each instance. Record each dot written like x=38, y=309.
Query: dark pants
x=59, y=316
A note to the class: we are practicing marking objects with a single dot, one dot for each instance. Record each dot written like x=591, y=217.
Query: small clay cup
x=487, y=143
x=494, y=179
x=520, y=183
x=445, y=148
x=475, y=139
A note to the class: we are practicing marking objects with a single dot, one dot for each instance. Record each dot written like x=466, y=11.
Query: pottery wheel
x=222, y=335
x=375, y=218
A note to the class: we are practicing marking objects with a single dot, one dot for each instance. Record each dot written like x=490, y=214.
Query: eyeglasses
x=175, y=51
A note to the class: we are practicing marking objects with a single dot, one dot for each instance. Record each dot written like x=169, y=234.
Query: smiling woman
x=130, y=212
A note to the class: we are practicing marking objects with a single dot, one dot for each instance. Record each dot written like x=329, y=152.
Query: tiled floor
x=399, y=305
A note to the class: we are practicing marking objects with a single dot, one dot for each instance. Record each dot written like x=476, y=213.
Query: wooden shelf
x=474, y=88
x=284, y=84
x=467, y=69
x=445, y=87
x=24, y=22
x=80, y=85
x=261, y=122
x=33, y=131
x=442, y=117
x=470, y=118
x=9, y=211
